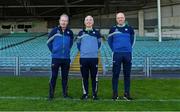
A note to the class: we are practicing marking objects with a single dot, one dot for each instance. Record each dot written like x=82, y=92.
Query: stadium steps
x=75, y=66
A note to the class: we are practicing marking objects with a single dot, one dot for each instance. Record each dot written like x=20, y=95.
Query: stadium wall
x=34, y=26
x=170, y=20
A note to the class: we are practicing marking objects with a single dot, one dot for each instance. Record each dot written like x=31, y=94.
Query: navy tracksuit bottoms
x=56, y=64
x=89, y=65
x=123, y=58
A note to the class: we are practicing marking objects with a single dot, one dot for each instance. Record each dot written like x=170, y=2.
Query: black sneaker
x=115, y=97
x=67, y=97
x=50, y=98
x=95, y=97
x=127, y=97
x=84, y=97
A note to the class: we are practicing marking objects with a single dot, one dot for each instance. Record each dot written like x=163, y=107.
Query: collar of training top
x=121, y=25
x=66, y=31
x=89, y=30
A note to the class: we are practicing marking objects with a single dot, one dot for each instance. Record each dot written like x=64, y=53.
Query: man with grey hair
x=59, y=43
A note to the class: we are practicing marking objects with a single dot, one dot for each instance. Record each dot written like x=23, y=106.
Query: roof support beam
x=50, y=6
x=67, y=8
x=26, y=3
x=56, y=8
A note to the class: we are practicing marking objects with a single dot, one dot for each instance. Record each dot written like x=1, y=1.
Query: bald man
x=89, y=41
x=121, y=40
x=59, y=43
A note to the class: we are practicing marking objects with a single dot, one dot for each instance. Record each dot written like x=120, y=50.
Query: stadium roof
x=53, y=8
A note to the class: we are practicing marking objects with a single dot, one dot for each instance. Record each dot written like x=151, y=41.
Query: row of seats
x=32, y=53
x=162, y=55
x=14, y=38
x=36, y=53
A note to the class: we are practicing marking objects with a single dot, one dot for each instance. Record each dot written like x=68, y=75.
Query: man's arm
x=71, y=39
x=110, y=38
x=99, y=39
x=50, y=40
x=132, y=36
x=79, y=40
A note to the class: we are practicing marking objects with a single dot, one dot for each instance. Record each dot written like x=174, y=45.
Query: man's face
x=63, y=21
x=120, y=18
x=89, y=21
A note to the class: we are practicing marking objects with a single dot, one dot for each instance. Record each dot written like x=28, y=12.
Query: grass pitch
x=30, y=93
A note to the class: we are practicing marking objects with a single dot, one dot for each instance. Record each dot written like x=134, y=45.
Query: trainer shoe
x=50, y=98
x=115, y=96
x=84, y=97
x=95, y=97
x=127, y=97
x=67, y=97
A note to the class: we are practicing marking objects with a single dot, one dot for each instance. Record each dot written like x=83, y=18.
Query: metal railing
x=141, y=66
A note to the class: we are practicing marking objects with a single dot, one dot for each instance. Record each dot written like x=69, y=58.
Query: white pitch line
x=22, y=97
x=75, y=99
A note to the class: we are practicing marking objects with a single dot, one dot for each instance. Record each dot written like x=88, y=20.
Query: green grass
x=151, y=89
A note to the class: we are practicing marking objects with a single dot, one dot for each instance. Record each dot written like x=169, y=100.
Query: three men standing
x=120, y=40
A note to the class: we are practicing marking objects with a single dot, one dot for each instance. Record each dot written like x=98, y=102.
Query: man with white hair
x=121, y=40
x=89, y=41
x=59, y=43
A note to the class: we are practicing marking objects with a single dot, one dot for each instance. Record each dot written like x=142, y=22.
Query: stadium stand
x=163, y=55
x=34, y=53
x=31, y=53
